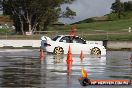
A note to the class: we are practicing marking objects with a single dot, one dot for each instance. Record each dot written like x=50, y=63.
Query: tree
x=128, y=6
x=0, y=5
x=28, y=15
x=118, y=7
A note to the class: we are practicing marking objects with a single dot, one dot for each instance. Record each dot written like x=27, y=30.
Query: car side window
x=78, y=40
x=65, y=39
x=55, y=38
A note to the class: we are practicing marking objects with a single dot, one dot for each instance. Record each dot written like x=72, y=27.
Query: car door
x=78, y=44
x=64, y=42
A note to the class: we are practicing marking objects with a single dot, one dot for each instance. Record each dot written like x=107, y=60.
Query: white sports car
x=60, y=45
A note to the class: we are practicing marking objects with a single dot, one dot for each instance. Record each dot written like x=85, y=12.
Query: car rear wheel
x=95, y=51
x=58, y=51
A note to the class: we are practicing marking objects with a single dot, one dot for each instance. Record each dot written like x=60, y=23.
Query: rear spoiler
x=45, y=38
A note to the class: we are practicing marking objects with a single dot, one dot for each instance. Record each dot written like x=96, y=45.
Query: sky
x=88, y=8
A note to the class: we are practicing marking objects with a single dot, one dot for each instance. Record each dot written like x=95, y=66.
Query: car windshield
x=55, y=38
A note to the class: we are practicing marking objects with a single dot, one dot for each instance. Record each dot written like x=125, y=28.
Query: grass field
x=104, y=30
x=123, y=36
x=114, y=26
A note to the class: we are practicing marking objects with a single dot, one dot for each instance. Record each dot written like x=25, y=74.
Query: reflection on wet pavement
x=53, y=72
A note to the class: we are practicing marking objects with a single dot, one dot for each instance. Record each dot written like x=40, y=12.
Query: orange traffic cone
x=69, y=70
x=84, y=73
x=69, y=56
x=41, y=54
x=81, y=55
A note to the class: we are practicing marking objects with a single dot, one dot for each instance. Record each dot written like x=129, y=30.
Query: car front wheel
x=95, y=51
x=58, y=51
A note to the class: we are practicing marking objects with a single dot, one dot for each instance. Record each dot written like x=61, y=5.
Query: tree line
x=35, y=15
x=119, y=7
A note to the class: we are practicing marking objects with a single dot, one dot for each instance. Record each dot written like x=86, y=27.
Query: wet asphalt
x=25, y=68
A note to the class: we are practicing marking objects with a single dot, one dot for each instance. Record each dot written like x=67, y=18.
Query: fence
x=92, y=35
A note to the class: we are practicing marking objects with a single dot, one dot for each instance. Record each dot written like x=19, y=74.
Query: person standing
x=73, y=31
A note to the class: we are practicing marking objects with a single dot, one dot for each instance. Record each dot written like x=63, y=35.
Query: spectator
x=73, y=31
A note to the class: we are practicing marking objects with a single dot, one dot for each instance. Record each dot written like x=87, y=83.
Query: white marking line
x=15, y=50
x=22, y=67
x=34, y=57
x=18, y=50
x=15, y=56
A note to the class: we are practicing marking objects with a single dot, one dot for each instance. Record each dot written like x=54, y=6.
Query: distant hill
x=107, y=17
x=106, y=23
x=92, y=19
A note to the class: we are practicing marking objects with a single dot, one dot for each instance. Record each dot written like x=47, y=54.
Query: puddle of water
x=54, y=72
